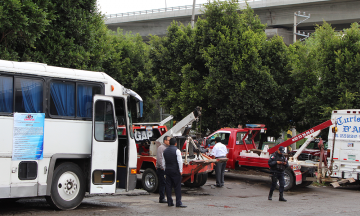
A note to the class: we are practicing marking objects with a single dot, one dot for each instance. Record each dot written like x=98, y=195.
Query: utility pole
x=296, y=24
x=193, y=15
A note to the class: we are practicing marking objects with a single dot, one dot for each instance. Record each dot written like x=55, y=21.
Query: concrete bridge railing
x=161, y=10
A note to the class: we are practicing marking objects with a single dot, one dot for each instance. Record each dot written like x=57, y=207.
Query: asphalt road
x=242, y=195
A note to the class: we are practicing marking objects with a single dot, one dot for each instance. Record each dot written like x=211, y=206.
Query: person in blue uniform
x=278, y=163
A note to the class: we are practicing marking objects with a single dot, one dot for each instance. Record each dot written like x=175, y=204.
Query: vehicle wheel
x=198, y=178
x=211, y=173
x=204, y=179
x=289, y=180
x=68, y=187
x=305, y=184
x=150, y=181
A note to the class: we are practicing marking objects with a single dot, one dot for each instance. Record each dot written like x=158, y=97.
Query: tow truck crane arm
x=301, y=136
x=176, y=130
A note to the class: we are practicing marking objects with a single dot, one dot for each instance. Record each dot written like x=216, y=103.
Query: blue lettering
x=358, y=119
x=355, y=130
x=340, y=122
x=346, y=128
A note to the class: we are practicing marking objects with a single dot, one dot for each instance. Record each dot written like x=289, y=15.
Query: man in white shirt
x=172, y=161
x=219, y=151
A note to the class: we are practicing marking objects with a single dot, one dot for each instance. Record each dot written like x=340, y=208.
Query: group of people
x=169, y=163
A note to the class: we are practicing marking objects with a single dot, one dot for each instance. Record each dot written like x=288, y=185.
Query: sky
x=122, y=6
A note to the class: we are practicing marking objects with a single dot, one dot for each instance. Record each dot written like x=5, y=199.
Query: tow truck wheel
x=289, y=180
x=200, y=180
x=196, y=183
x=204, y=179
x=150, y=181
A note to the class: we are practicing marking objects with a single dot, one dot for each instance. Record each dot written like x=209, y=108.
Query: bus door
x=123, y=144
x=104, y=146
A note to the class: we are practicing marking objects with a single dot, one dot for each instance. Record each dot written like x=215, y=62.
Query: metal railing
x=162, y=10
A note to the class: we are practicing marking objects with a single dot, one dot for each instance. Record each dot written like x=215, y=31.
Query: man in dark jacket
x=172, y=161
x=278, y=163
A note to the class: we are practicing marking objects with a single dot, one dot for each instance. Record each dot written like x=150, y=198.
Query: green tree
x=21, y=24
x=227, y=66
x=129, y=64
x=327, y=73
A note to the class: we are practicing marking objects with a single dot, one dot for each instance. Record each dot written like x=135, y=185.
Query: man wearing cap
x=219, y=151
x=172, y=161
x=160, y=169
x=278, y=163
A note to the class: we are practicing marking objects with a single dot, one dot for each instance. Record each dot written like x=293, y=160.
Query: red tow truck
x=243, y=152
x=149, y=136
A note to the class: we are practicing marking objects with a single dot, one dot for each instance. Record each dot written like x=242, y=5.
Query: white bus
x=59, y=135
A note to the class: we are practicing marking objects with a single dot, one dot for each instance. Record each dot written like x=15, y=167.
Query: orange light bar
x=133, y=171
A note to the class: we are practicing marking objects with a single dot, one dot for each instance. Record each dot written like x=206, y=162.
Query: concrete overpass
x=277, y=14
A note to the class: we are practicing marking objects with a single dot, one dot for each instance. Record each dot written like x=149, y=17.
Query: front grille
x=304, y=156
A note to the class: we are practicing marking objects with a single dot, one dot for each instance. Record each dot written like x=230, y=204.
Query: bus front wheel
x=68, y=187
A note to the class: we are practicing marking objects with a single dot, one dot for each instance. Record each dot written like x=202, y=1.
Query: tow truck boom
x=301, y=136
x=176, y=130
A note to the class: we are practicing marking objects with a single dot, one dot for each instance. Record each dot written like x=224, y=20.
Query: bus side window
x=6, y=94
x=84, y=99
x=28, y=95
x=62, y=98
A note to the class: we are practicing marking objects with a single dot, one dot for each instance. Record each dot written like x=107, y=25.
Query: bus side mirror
x=139, y=109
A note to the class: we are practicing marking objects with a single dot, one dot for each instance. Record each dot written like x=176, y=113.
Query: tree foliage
x=327, y=74
x=72, y=33
x=227, y=66
x=21, y=24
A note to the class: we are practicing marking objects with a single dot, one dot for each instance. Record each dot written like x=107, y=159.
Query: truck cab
x=236, y=140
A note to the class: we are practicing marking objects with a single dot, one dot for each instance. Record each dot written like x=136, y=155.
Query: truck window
x=240, y=136
x=224, y=138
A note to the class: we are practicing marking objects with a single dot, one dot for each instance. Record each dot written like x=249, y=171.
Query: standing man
x=278, y=163
x=173, y=164
x=219, y=151
x=160, y=169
